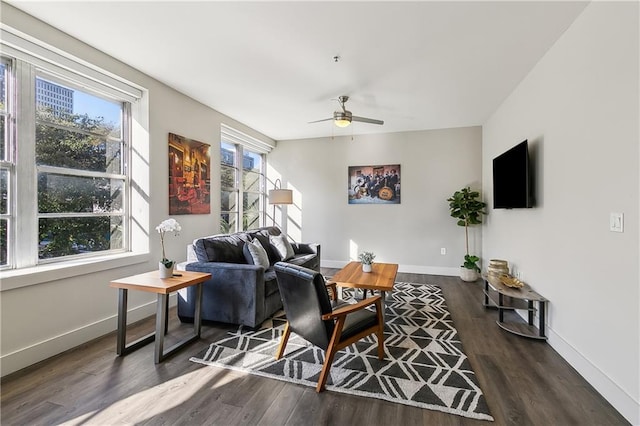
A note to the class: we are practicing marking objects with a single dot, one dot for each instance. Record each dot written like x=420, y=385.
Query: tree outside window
x=80, y=172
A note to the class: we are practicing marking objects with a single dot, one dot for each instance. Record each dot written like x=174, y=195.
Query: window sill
x=17, y=278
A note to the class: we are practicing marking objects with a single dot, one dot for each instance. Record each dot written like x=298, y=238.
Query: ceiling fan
x=344, y=118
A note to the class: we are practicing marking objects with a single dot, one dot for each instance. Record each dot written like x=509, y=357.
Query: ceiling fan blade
x=366, y=120
x=318, y=121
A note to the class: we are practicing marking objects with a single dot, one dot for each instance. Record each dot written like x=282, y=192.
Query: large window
x=63, y=165
x=80, y=169
x=242, y=177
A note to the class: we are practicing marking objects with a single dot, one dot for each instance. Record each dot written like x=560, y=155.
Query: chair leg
x=326, y=367
x=380, y=334
x=330, y=353
x=283, y=341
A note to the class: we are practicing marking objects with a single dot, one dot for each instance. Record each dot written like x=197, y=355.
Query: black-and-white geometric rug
x=424, y=364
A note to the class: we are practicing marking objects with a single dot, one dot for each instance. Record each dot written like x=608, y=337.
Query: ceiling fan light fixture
x=342, y=122
x=342, y=118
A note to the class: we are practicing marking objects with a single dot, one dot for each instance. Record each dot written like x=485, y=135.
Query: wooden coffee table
x=151, y=282
x=381, y=278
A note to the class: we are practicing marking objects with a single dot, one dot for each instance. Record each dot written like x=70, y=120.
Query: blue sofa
x=239, y=292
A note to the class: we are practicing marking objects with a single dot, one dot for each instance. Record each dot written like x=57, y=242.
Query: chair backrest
x=305, y=300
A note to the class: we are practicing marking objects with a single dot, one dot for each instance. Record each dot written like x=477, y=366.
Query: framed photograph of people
x=374, y=184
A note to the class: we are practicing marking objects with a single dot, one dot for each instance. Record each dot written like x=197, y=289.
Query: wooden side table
x=151, y=282
x=381, y=278
x=524, y=298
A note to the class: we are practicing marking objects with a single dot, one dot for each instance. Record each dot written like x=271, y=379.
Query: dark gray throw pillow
x=220, y=250
x=271, y=252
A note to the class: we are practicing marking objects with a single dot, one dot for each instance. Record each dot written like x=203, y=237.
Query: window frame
x=243, y=143
x=261, y=193
x=22, y=253
x=7, y=162
x=235, y=189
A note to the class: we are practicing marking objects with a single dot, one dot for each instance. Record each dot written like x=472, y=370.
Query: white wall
x=579, y=109
x=434, y=164
x=76, y=305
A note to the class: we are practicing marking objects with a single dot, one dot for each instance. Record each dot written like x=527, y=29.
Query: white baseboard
x=412, y=269
x=40, y=351
x=618, y=397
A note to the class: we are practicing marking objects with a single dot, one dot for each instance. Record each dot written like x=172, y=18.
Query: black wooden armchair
x=311, y=316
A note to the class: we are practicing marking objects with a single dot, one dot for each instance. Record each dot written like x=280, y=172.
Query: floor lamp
x=279, y=196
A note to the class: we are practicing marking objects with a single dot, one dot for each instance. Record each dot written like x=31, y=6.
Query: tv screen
x=512, y=179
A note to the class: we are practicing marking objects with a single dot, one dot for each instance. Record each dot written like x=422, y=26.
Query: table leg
x=384, y=305
x=121, y=344
x=486, y=293
x=166, y=317
x=161, y=324
x=122, y=320
x=197, y=317
x=541, y=329
x=500, y=309
x=530, y=309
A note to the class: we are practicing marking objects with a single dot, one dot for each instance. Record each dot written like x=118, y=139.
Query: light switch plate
x=616, y=222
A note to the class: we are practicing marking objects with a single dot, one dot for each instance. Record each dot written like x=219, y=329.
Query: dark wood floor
x=525, y=383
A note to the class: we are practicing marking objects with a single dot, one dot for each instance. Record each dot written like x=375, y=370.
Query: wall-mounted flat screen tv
x=512, y=179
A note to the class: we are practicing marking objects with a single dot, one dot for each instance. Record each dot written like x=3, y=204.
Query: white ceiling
x=269, y=65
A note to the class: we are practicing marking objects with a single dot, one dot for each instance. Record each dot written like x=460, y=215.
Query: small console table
x=501, y=297
x=152, y=283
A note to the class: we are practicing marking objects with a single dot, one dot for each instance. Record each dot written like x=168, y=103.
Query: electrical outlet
x=443, y=251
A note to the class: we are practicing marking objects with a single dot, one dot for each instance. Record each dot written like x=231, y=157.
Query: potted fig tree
x=466, y=206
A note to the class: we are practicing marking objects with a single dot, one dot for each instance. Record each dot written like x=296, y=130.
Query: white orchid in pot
x=166, y=266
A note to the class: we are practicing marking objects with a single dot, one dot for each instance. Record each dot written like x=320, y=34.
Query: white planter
x=366, y=267
x=164, y=271
x=468, y=275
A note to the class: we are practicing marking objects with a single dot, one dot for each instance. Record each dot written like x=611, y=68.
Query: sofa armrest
x=235, y=293
x=248, y=277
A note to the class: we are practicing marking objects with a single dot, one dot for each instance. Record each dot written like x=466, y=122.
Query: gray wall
x=434, y=164
x=46, y=310
x=579, y=109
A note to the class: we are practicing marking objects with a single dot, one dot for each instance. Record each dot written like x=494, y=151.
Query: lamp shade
x=280, y=196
